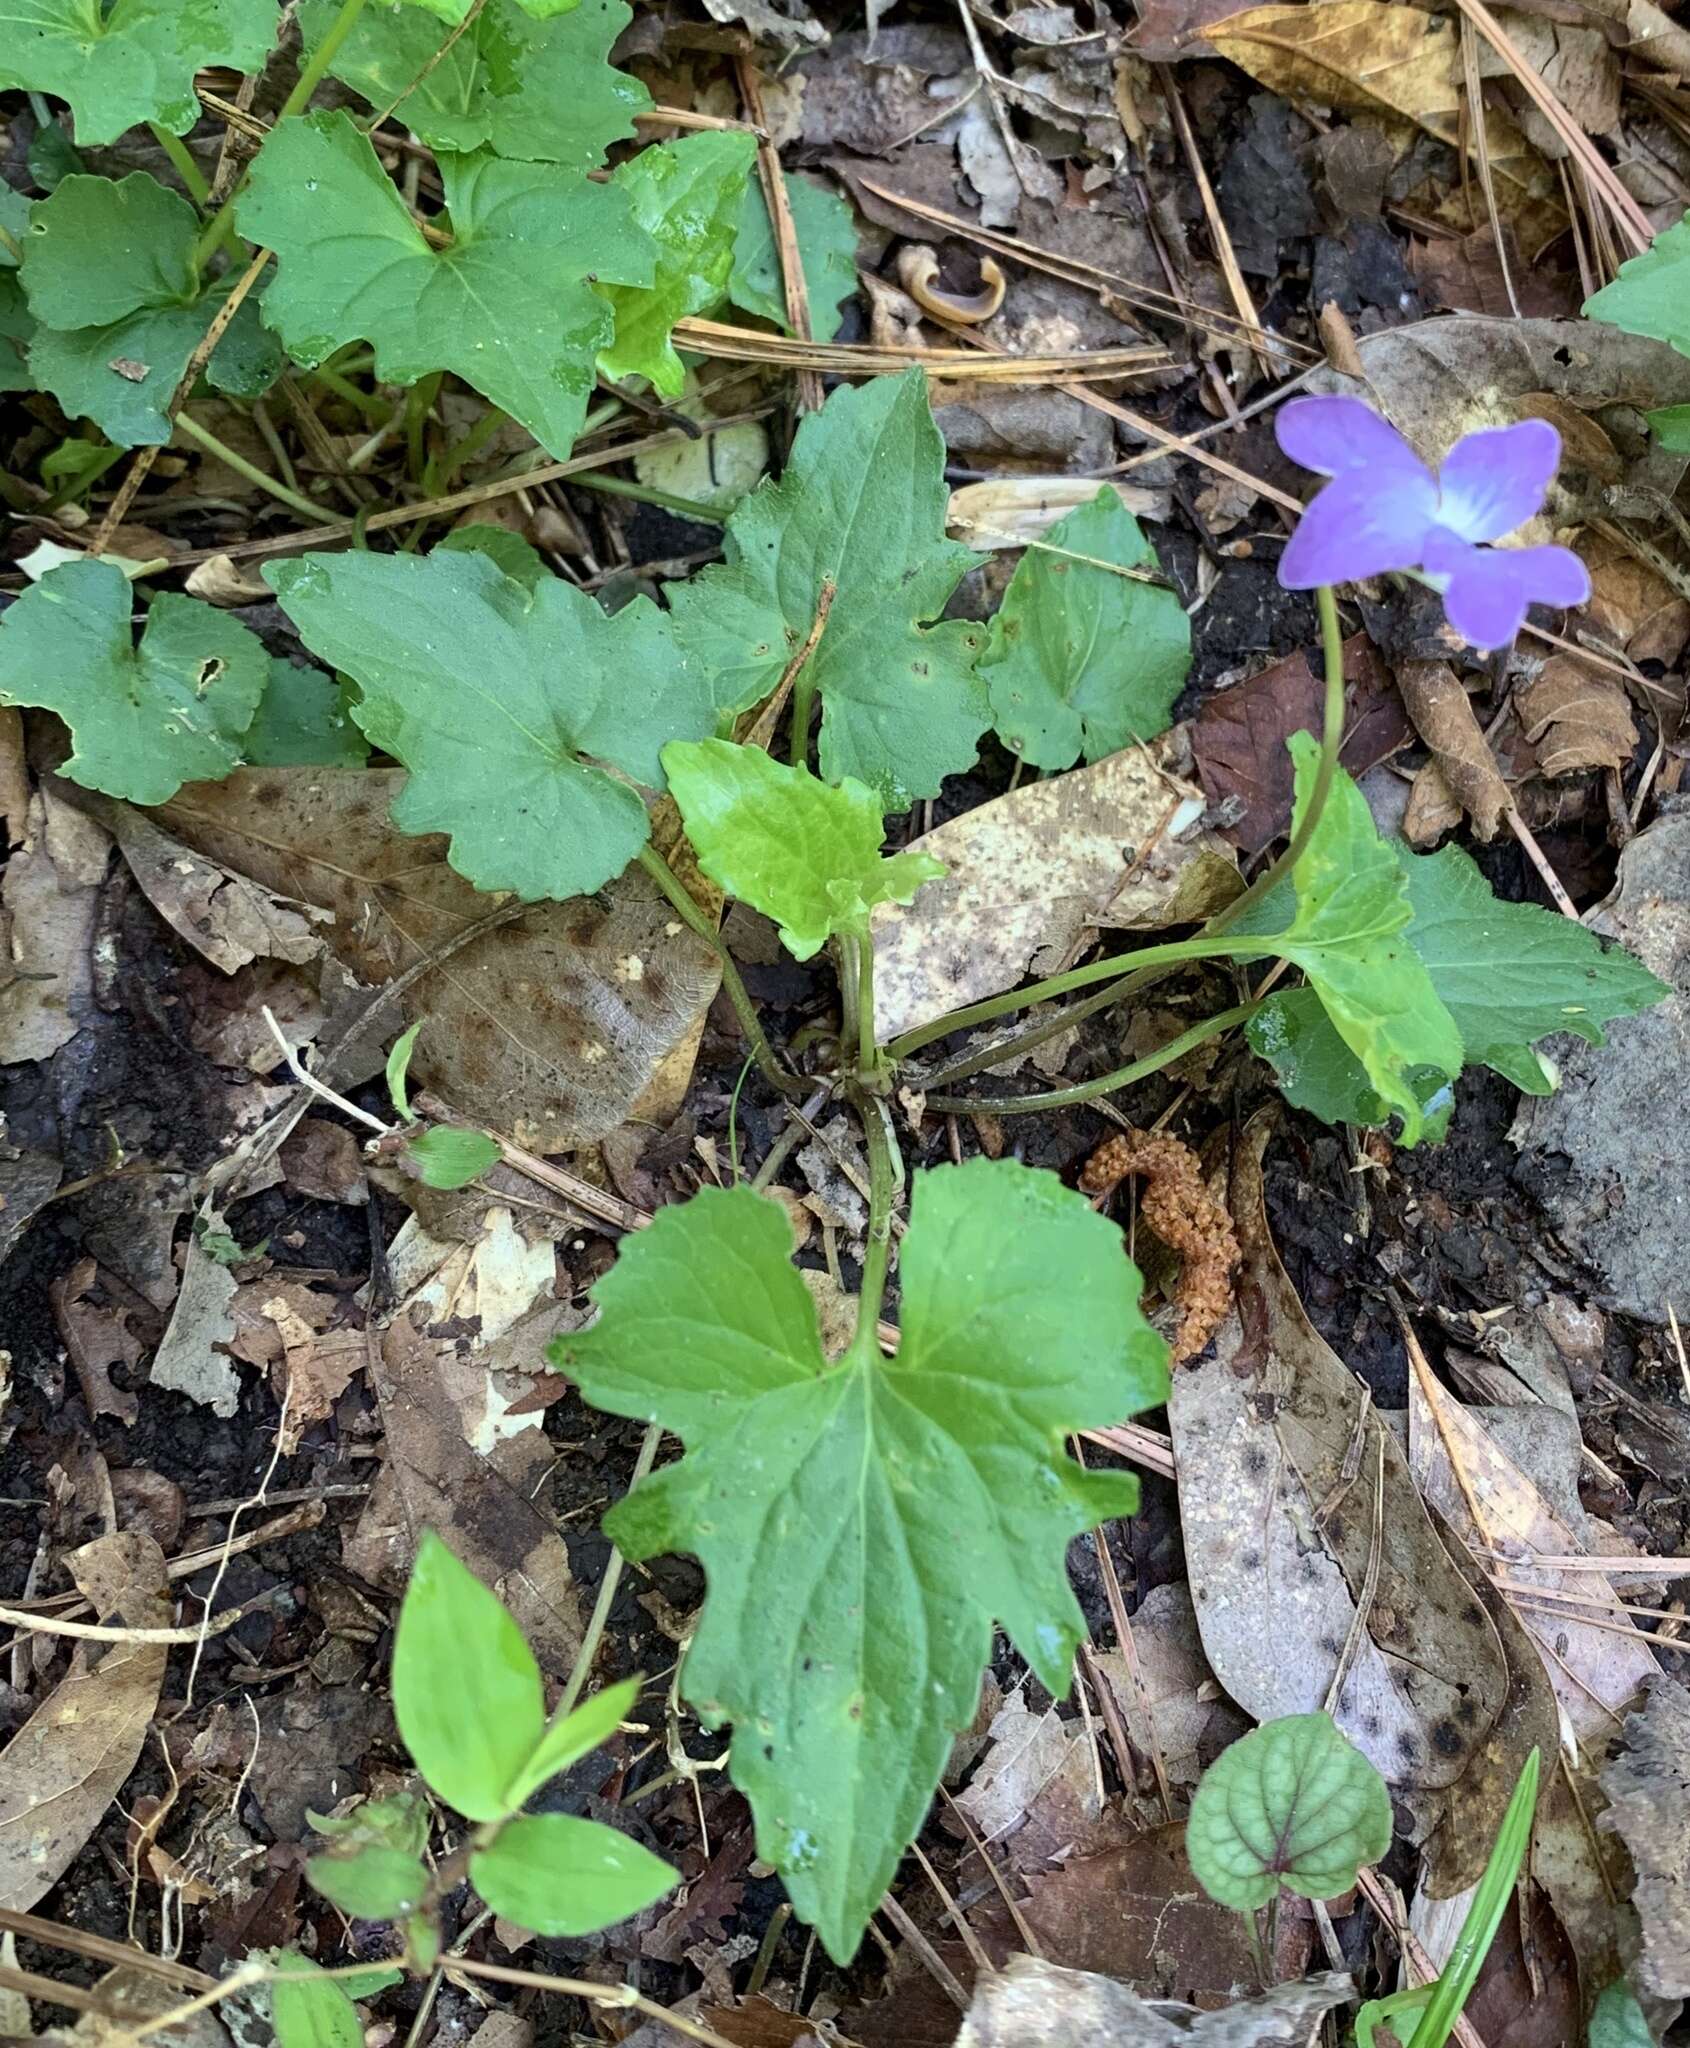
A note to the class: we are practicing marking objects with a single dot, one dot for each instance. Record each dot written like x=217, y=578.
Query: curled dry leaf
x=1116, y=845
x=1178, y=1206
x=1265, y=1439
x=64, y=1766
x=1443, y=716
x=1576, y=716
x=547, y=1027
x=1035, y=2004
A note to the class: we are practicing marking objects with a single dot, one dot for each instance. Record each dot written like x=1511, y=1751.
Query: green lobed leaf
x=143, y=719
x=373, y=1883
x=110, y=276
x=1617, y=2020
x=131, y=62
x=861, y=508
x=686, y=195
x=303, y=722
x=802, y=851
x=17, y=323
x=1651, y=294
x=541, y=90
x=309, y=2009
x=827, y=252
x=1348, y=936
x=506, y=306
x=492, y=694
x=466, y=1688
x=565, y=1742
x=446, y=1157
x=1293, y=1804
x=1082, y=662
x=557, y=1875
x=830, y=1504
x=1670, y=425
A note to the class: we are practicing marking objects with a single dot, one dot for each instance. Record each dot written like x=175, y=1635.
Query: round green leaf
x=466, y=1688
x=1292, y=1804
x=554, y=1874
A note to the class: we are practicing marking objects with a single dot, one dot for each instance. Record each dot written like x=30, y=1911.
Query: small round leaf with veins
x=1291, y=1804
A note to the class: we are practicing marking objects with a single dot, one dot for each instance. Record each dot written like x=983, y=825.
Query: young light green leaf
x=1617, y=2021
x=541, y=90
x=145, y=719
x=398, y=1822
x=1293, y=1804
x=1082, y=661
x=579, y=1733
x=855, y=530
x=110, y=277
x=1318, y=1072
x=492, y=695
x=1348, y=938
x=1512, y=973
x=802, y=851
x=446, y=1157
x=466, y=1688
x=686, y=195
x=1651, y=294
x=453, y=11
x=398, y=1068
x=1670, y=425
x=133, y=61
x=309, y=2008
x=17, y=323
x=505, y=306
x=373, y=1883
x=829, y=1504
x=557, y=1875
x=303, y=722
x=518, y=558
x=827, y=250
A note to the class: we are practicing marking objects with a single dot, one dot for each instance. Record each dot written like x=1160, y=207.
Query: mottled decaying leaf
x=1035, y=2004
x=547, y=1028
x=829, y=1503
x=63, y=1768
x=1648, y=1785
x=1576, y=718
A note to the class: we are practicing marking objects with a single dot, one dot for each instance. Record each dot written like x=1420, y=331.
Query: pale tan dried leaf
x=65, y=1765
x=1431, y=810
x=1035, y=2004
x=223, y=581
x=1648, y=1787
x=1577, y=717
x=1115, y=845
x=14, y=775
x=1443, y=716
x=96, y=1339
x=222, y=915
x=51, y=898
x=193, y=1358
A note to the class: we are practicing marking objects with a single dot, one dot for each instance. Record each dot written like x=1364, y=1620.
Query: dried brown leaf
x=1443, y=717
x=96, y=1339
x=1035, y=2004
x=229, y=919
x=1577, y=717
x=1648, y=1788
x=51, y=897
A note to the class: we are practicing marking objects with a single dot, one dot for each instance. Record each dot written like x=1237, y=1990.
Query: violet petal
x=1489, y=590
x=1332, y=434
x=1356, y=528
x=1495, y=480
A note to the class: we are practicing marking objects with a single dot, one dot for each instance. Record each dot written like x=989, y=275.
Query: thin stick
x=302, y=1073
x=1219, y=238
x=1540, y=860
x=619, y=1996
x=100, y=1632
x=792, y=676
x=786, y=233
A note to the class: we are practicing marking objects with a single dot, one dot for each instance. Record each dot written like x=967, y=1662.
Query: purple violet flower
x=1384, y=509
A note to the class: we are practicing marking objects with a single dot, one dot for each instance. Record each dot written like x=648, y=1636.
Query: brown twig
x=786, y=234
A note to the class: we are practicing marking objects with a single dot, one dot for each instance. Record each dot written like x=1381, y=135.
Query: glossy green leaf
x=1349, y=938
x=303, y=722
x=1651, y=294
x=827, y=250
x=557, y=1875
x=130, y=62
x=1670, y=425
x=466, y=1688
x=500, y=701
x=802, y=851
x=17, y=323
x=144, y=719
x=310, y=2010
x=446, y=1157
x=860, y=509
x=1293, y=1804
x=398, y=1071
x=1512, y=973
x=831, y=1504
x=565, y=1742
x=542, y=90
x=1317, y=1071
x=1081, y=661
x=110, y=278
x=1617, y=2021
x=372, y=1883
x=686, y=195
x=506, y=306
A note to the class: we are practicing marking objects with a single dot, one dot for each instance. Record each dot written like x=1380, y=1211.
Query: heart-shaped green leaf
x=1290, y=1804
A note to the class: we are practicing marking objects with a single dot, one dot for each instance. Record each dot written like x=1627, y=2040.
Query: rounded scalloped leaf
x=1291, y=1804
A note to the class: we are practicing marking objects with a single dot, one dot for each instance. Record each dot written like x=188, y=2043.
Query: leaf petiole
x=182, y=161
x=885, y=1172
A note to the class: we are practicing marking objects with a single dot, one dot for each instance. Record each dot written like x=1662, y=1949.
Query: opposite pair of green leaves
x=117, y=307
x=468, y=1699
x=830, y=1503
